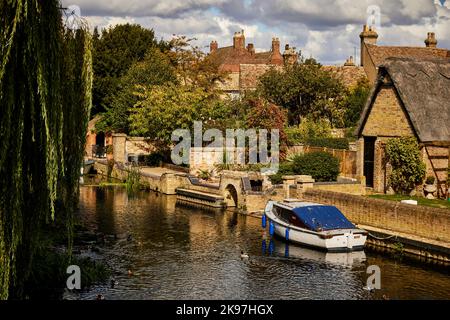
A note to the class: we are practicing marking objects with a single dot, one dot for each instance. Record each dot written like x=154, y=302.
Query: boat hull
x=347, y=241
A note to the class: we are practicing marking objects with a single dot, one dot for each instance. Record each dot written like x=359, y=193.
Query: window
x=290, y=217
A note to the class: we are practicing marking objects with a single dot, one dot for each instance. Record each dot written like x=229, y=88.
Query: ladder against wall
x=439, y=157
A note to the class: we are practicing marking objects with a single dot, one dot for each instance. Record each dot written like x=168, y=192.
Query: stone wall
x=139, y=146
x=119, y=147
x=166, y=183
x=348, y=188
x=124, y=146
x=387, y=118
x=427, y=222
x=207, y=158
x=250, y=74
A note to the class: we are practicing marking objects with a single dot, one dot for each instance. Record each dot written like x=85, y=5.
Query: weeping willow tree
x=45, y=101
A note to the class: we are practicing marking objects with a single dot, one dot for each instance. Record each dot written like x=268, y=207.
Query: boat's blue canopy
x=323, y=218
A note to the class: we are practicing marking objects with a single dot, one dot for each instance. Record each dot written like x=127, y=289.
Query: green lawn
x=421, y=201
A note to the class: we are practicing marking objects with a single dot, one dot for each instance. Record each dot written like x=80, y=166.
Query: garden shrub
x=285, y=169
x=322, y=166
x=408, y=169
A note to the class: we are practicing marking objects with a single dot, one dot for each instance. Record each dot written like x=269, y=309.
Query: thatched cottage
x=373, y=55
x=410, y=98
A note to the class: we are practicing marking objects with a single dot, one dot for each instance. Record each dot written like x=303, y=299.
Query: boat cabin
x=311, y=216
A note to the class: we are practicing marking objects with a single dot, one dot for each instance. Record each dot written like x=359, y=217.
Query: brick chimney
x=239, y=40
x=431, y=41
x=290, y=55
x=277, y=58
x=251, y=48
x=368, y=36
x=213, y=46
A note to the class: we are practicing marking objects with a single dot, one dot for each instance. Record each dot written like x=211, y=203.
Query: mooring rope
x=379, y=238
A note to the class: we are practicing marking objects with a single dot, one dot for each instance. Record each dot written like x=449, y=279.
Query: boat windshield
x=322, y=218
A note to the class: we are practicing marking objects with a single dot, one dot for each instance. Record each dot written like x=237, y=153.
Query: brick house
x=244, y=65
x=411, y=98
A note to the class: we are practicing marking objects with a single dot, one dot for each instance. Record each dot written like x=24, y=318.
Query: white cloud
x=327, y=29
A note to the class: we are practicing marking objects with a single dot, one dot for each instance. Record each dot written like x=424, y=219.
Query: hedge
x=332, y=143
x=322, y=166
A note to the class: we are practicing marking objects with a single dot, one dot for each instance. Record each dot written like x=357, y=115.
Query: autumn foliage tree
x=265, y=115
x=194, y=67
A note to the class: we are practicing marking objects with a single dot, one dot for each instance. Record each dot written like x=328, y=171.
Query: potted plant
x=205, y=174
x=429, y=185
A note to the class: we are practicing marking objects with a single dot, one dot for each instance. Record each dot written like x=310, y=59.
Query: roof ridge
x=405, y=47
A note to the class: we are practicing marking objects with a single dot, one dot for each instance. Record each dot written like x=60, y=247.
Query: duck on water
x=315, y=225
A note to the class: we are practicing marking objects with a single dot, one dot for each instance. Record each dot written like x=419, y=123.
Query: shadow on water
x=178, y=251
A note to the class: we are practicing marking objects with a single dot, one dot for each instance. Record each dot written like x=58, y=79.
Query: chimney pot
x=431, y=41
x=213, y=46
x=251, y=48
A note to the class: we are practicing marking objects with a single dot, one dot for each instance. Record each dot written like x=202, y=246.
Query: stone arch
x=231, y=196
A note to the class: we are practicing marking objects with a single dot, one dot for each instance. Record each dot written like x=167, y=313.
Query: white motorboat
x=314, y=225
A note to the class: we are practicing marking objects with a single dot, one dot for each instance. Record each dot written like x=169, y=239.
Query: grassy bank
x=443, y=204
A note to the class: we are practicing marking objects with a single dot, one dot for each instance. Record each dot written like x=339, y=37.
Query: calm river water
x=181, y=252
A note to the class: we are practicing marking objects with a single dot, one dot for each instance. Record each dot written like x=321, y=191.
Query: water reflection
x=183, y=252
x=287, y=250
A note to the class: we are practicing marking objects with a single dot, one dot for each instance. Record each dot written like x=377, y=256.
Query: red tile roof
x=228, y=58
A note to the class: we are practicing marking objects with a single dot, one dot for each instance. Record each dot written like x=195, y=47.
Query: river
x=177, y=251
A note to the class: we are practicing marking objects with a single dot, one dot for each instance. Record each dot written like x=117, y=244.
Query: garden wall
x=427, y=222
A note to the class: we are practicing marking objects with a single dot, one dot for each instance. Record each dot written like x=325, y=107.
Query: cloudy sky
x=325, y=29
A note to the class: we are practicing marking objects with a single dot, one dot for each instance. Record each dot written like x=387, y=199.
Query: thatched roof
x=423, y=86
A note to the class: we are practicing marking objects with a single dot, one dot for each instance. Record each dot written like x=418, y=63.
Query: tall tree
x=163, y=109
x=45, y=96
x=304, y=89
x=114, y=53
x=155, y=69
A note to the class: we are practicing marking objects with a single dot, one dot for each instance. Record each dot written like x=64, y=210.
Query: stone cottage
x=411, y=98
